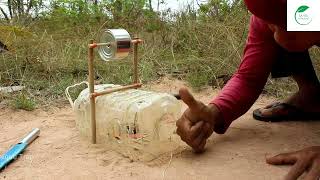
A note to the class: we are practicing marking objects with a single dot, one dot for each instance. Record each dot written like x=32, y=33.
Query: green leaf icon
x=302, y=9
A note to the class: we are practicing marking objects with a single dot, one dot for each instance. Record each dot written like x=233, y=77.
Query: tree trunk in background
x=22, y=9
x=150, y=5
x=4, y=14
x=10, y=8
x=29, y=6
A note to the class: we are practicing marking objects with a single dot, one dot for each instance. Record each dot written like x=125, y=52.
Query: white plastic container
x=139, y=124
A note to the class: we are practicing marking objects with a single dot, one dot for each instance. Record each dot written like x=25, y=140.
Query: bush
x=22, y=101
x=50, y=53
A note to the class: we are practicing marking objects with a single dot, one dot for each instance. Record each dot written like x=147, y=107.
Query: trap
x=124, y=116
x=115, y=45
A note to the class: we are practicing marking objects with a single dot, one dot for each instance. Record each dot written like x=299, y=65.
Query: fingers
x=193, y=135
x=200, y=148
x=187, y=98
x=314, y=172
x=198, y=140
x=300, y=165
x=282, y=159
x=193, y=127
x=187, y=131
x=196, y=129
x=202, y=145
x=201, y=136
x=183, y=128
x=207, y=128
x=196, y=110
x=297, y=170
x=306, y=160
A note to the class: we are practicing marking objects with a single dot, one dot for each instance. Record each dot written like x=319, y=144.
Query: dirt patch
x=60, y=153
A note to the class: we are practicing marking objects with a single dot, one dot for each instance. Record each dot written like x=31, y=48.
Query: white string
x=67, y=92
x=164, y=171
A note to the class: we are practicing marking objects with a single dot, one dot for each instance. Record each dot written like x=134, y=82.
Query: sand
x=60, y=153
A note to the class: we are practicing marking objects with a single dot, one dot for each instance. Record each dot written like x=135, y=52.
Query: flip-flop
x=284, y=112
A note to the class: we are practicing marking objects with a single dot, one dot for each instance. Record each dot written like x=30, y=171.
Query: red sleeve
x=243, y=89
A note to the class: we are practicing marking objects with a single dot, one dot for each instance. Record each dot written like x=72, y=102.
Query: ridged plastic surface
x=132, y=118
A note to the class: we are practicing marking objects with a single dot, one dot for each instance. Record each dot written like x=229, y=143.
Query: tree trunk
x=10, y=8
x=20, y=7
x=30, y=5
x=150, y=5
x=4, y=14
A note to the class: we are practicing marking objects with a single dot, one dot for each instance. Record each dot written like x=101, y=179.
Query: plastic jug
x=137, y=123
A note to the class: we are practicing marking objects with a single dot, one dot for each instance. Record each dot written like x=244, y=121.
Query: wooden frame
x=136, y=41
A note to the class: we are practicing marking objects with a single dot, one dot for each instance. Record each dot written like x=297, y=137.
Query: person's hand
x=197, y=122
x=306, y=160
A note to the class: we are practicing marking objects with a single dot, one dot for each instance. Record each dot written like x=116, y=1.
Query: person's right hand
x=197, y=122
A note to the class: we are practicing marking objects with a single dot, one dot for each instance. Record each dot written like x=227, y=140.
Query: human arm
x=199, y=121
x=247, y=83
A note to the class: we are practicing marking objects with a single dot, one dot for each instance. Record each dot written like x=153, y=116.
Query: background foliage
x=47, y=43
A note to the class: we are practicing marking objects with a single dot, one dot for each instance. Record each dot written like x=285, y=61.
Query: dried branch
x=4, y=14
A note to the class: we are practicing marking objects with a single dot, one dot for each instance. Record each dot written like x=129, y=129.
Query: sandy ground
x=60, y=153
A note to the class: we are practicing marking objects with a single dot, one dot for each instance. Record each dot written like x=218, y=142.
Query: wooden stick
x=91, y=89
x=136, y=41
x=94, y=45
x=135, y=63
x=132, y=86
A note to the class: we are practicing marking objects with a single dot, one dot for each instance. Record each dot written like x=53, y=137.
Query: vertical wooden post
x=135, y=61
x=91, y=89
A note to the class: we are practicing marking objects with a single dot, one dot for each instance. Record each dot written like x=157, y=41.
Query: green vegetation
x=47, y=44
x=22, y=101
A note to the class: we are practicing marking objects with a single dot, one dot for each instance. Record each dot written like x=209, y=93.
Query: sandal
x=284, y=112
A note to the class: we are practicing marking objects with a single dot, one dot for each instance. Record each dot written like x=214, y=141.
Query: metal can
x=119, y=44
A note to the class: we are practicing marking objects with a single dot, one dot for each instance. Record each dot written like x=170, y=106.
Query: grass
x=51, y=54
x=22, y=101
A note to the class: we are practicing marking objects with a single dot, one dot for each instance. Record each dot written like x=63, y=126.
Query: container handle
x=68, y=94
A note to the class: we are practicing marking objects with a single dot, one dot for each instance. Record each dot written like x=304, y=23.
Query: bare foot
x=306, y=101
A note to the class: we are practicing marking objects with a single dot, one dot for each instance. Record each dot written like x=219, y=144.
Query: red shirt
x=243, y=89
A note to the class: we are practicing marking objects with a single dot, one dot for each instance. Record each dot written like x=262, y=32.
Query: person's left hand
x=306, y=160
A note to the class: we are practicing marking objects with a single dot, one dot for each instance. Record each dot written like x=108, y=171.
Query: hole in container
x=117, y=137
